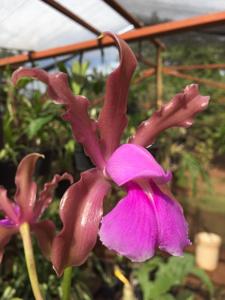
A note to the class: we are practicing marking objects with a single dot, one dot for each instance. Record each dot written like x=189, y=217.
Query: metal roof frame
x=62, y=9
x=112, y=3
x=77, y=19
x=134, y=35
x=124, y=13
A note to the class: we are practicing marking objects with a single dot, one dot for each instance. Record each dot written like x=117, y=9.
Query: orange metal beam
x=63, y=10
x=212, y=83
x=171, y=72
x=144, y=74
x=198, y=67
x=130, y=18
x=137, y=34
x=182, y=67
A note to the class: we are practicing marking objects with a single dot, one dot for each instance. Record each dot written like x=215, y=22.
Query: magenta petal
x=26, y=188
x=80, y=212
x=84, y=129
x=5, y=236
x=130, y=228
x=45, y=233
x=179, y=112
x=173, y=229
x=112, y=118
x=7, y=223
x=45, y=197
x=131, y=162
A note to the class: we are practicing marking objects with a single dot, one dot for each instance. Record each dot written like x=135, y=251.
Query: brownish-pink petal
x=26, y=188
x=112, y=119
x=80, y=212
x=180, y=111
x=84, y=129
x=5, y=236
x=45, y=233
x=45, y=197
x=7, y=206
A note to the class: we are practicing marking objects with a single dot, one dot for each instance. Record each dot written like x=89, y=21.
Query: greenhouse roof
x=172, y=9
x=35, y=25
x=28, y=26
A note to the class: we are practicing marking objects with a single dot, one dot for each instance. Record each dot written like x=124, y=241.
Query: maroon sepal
x=179, y=112
x=80, y=211
x=84, y=129
x=112, y=119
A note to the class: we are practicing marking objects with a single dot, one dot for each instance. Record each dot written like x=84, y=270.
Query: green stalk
x=66, y=283
x=30, y=262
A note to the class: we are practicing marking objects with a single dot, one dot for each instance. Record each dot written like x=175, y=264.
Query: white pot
x=207, y=250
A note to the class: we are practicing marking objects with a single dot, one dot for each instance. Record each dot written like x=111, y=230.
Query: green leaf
x=142, y=274
x=36, y=125
x=204, y=278
x=76, y=88
x=167, y=276
x=8, y=293
x=80, y=68
x=165, y=297
x=185, y=294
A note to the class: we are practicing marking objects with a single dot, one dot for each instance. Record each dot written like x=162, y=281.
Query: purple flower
x=148, y=216
x=28, y=207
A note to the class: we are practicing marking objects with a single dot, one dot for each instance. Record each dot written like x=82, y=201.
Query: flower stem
x=66, y=283
x=30, y=262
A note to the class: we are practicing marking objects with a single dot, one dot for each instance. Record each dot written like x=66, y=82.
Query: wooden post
x=159, y=82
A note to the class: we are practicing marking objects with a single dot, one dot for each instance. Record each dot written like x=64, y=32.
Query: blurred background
x=176, y=43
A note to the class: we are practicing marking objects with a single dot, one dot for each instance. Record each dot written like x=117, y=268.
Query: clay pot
x=207, y=250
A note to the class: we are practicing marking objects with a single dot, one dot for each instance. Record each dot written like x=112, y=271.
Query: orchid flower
x=148, y=216
x=27, y=207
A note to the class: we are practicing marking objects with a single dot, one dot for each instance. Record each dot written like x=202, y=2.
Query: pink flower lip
x=130, y=162
x=146, y=218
